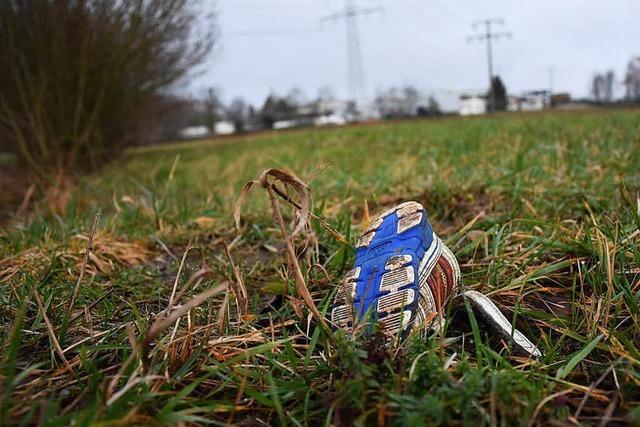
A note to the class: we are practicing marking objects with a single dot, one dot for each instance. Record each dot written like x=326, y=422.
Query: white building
x=472, y=104
x=529, y=101
x=513, y=103
x=191, y=132
x=284, y=124
x=224, y=127
x=330, y=120
x=533, y=101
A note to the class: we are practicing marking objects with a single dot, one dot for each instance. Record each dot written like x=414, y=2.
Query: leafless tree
x=411, y=100
x=325, y=102
x=395, y=102
x=326, y=93
x=352, y=112
x=214, y=107
x=238, y=113
x=632, y=79
x=389, y=103
x=296, y=98
x=79, y=78
x=602, y=86
x=609, y=82
x=597, y=87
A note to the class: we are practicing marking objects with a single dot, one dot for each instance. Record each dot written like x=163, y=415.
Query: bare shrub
x=80, y=76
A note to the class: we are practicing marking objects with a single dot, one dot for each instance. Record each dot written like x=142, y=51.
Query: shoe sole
x=398, y=247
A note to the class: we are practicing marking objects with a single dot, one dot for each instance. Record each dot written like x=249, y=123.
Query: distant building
x=224, y=127
x=330, y=120
x=192, y=132
x=284, y=124
x=472, y=104
x=513, y=103
x=534, y=100
x=560, y=99
x=323, y=112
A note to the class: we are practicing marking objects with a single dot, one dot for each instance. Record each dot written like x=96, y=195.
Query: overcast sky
x=274, y=45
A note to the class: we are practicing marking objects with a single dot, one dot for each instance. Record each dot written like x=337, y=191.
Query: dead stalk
x=191, y=283
x=179, y=273
x=163, y=322
x=85, y=260
x=51, y=331
x=116, y=378
x=302, y=209
x=239, y=290
x=222, y=315
x=301, y=286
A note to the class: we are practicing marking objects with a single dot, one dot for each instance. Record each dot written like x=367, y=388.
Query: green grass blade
x=577, y=358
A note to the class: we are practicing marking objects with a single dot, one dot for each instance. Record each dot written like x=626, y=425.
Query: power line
x=355, y=70
x=417, y=11
x=488, y=36
x=452, y=9
x=260, y=33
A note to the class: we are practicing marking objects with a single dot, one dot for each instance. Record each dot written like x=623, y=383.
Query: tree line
x=209, y=108
x=603, y=85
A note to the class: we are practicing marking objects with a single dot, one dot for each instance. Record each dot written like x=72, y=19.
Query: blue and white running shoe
x=403, y=274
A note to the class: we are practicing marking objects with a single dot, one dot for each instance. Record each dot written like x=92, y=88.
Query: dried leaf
x=304, y=195
x=204, y=221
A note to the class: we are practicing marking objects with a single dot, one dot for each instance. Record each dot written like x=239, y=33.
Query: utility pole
x=550, y=70
x=355, y=70
x=488, y=36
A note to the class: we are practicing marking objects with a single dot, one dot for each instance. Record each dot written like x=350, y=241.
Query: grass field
x=542, y=211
